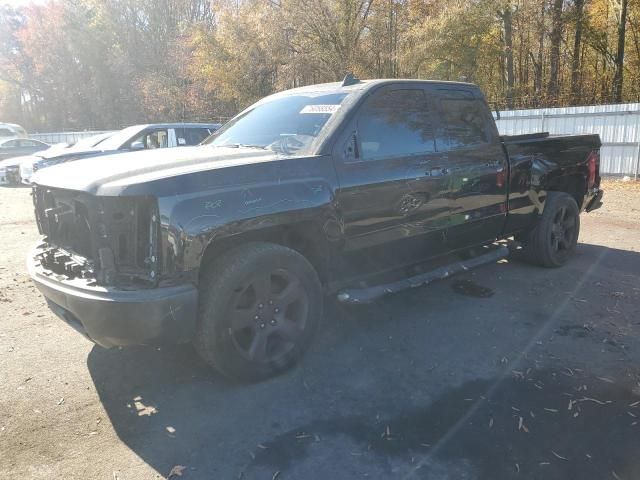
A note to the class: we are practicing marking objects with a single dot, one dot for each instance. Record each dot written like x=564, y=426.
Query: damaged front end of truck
x=108, y=241
x=98, y=267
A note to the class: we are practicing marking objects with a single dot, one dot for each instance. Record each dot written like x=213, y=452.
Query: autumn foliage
x=68, y=64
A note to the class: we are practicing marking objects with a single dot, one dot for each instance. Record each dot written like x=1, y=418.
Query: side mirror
x=137, y=145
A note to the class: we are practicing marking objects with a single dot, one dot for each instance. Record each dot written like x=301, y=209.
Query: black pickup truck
x=334, y=189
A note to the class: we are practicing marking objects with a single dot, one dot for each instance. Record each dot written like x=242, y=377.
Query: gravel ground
x=509, y=371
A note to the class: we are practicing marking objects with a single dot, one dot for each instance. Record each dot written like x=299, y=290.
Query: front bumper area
x=111, y=317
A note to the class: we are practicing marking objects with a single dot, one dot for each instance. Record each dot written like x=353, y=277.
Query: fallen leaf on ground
x=595, y=400
x=559, y=456
x=605, y=379
x=176, y=471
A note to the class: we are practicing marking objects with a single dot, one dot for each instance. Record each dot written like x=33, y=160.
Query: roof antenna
x=349, y=79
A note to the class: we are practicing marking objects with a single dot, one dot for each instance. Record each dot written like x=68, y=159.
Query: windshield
x=116, y=141
x=286, y=125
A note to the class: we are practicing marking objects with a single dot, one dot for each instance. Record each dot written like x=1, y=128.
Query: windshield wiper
x=242, y=145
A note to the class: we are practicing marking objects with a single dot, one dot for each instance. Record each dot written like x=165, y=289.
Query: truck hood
x=110, y=175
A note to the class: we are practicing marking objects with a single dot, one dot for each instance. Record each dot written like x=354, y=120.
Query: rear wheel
x=553, y=240
x=260, y=305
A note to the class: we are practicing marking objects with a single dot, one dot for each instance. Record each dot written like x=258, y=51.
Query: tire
x=553, y=240
x=260, y=306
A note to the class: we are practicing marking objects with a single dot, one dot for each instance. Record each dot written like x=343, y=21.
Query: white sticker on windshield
x=330, y=109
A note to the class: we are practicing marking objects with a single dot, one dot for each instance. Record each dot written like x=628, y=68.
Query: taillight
x=592, y=167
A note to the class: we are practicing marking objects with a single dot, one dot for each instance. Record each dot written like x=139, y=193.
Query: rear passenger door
x=477, y=165
x=189, y=136
x=391, y=190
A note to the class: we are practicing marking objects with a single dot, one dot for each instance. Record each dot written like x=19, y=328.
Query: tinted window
x=463, y=121
x=5, y=132
x=191, y=136
x=10, y=144
x=394, y=124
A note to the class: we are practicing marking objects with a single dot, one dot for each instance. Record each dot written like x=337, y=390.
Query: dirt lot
x=510, y=371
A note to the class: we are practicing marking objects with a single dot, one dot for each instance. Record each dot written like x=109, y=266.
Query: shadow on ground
x=391, y=390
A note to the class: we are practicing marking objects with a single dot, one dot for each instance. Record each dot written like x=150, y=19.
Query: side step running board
x=369, y=294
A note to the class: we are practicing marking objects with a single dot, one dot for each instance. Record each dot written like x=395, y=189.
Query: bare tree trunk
x=507, y=20
x=576, y=87
x=553, y=87
x=539, y=63
x=619, y=62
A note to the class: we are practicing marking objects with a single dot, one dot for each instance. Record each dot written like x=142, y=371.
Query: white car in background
x=137, y=137
x=12, y=130
x=27, y=163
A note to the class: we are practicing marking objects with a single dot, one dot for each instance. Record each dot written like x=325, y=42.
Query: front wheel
x=553, y=240
x=260, y=305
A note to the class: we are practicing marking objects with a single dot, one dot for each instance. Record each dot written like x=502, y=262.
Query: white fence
x=65, y=137
x=618, y=126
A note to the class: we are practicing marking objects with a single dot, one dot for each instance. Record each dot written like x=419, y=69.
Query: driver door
x=392, y=183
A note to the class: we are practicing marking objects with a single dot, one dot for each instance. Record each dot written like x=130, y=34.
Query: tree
x=506, y=15
x=111, y=63
x=553, y=86
x=577, y=51
x=619, y=60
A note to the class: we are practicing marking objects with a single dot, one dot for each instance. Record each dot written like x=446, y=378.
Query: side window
x=150, y=140
x=10, y=144
x=29, y=143
x=191, y=136
x=5, y=132
x=395, y=123
x=463, y=121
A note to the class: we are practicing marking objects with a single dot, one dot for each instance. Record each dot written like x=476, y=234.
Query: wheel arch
x=305, y=237
x=575, y=184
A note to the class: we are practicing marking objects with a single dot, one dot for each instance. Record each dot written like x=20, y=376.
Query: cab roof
x=364, y=85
